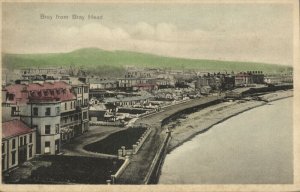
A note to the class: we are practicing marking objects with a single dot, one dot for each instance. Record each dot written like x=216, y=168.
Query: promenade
x=141, y=162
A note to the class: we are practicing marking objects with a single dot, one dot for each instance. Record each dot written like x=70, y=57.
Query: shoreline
x=181, y=134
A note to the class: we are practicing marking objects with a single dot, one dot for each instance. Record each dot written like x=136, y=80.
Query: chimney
x=4, y=95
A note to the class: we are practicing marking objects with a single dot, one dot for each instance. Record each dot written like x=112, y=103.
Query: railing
x=77, y=122
x=119, y=172
x=155, y=167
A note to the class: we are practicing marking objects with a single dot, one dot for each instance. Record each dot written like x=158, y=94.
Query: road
x=95, y=133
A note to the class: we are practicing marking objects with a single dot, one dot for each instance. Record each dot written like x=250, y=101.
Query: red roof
x=22, y=93
x=14, y=128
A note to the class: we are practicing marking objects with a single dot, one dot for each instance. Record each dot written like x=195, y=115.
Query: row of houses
x=134, y=80
x=278, y=78
x=224, y=81
x=49, y=113
x=126, y=84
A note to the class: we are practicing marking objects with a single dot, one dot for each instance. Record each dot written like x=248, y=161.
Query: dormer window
x=11, y=97
x=32, y=93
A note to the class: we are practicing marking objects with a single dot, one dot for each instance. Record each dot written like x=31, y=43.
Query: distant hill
x=101, y=61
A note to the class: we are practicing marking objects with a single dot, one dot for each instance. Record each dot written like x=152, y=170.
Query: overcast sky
x=239, y=32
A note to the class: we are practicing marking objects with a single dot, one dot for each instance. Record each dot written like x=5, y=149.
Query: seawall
x=236, y=110
x=145, y=167
x=140, y=166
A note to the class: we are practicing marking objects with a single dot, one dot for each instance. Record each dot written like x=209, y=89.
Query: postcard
x=151, y=95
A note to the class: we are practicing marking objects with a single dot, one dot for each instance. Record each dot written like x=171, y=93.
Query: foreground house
x=18, y=143
x=50, y=108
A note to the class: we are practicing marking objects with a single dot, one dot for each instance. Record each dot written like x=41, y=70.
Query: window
x=13, y=157
x=57, y=109
x=35, y=111
x=3, y=162
x=85, y=89
x=14, y=143
x=30, y=138
x=71, y=105
x=57, y=128
x=48, y=111
x=57, y=145
x=85, y=115
x=30, y=151
x=47, y=147
x=47, y=129
x=21, y=141
x=13, y=111
x=25, y=140
x=65, y=106
x=11, y=97
x=47, y=144
x=3, y=147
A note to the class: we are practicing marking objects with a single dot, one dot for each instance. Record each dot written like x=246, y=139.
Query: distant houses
x=47, y=107
x=226, y=81
x=272, y=79
x=243, y=79
x=103, y=84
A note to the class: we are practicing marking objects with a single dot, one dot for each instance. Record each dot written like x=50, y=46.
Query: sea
x=254, y=147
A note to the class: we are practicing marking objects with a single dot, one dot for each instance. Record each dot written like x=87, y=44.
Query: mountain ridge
x=94, y=58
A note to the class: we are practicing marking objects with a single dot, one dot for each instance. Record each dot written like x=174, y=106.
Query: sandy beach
x=185, y=128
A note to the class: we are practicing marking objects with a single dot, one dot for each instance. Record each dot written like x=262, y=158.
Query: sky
x=238, y=32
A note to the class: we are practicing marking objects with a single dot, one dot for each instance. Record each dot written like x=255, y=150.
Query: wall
x=67, y=106
x=39, y=122
x=7, y=153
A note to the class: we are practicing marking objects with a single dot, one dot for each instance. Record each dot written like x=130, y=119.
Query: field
x=99, y=61
x=112, y=143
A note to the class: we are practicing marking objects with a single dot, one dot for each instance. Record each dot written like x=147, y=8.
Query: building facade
x=80, y=88
x=53, y=109
x=18, y=143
